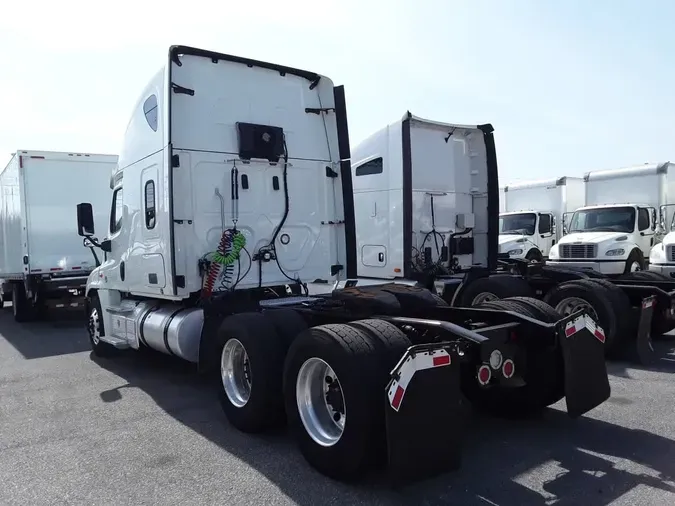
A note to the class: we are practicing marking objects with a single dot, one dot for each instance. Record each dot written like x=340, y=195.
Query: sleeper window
x=150, y=204
x=370, y=168
x=117, y=211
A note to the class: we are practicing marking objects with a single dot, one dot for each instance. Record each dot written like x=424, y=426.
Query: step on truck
x=232, y=193
x=42, y=262
x=427, y=208
x=532, y=217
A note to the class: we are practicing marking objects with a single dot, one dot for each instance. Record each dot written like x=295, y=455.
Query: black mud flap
x=644, y=350
x=583, y=348
x=425, y=414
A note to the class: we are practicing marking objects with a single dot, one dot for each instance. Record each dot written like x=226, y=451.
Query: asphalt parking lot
x=146, y=430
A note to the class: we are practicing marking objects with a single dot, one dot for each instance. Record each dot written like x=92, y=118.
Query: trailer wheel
x=544, y=374
x=333, y=391
x=96, y=329
x=21, y=306
x=493, y=288
x=251, y=365
x=611, y=309
x=635, y=262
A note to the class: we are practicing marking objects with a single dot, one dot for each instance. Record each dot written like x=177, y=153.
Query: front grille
x=670, y=252
x=578, y=250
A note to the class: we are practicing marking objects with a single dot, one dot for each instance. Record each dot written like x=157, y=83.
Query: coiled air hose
x=222, y=263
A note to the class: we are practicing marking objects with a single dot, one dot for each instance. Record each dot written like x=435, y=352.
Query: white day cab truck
x=619, y=224
x=532, y=219
x=233, y=190
x=42, y=262
x=418, y=180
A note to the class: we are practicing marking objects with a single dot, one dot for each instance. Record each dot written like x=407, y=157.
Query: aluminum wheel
x=95, y=326
x=571, y=305
x=321, y=403
x=235, y=372
x=635, y=267
x=483, y=297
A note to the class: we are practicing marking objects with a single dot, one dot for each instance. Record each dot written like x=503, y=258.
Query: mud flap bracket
x=583, y=350
x=424, y=414
x=644, y=348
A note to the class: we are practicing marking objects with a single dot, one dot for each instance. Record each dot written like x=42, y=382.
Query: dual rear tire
x=274, y=369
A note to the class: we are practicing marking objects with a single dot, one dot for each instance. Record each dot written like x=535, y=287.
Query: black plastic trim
x=346, y=178
x=493, y=194
x=407, y=195
x=178, y=50
x=171, y=159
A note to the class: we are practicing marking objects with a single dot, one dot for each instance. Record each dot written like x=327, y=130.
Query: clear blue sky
x=569, y=85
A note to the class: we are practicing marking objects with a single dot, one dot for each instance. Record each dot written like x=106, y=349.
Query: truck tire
x=96, y=329
x=21, y=306
x=609, y=308
x=410, y=297
x=534, y=256
x=544, y=375
x=251, y=365
x=635, y=262
x=388, y=337
x=545, y=313
x=288, y=323
x=495, y=287
x=349, y=356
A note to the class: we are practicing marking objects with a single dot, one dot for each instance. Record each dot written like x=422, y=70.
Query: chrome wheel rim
x=321, y=402
x=95, y=326
x=483, y=297
x=571, y=305
x=635, y=267
x=235, y=372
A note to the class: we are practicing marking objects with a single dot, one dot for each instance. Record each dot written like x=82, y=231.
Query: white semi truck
x=233, y=188
x=418, y=179
x=42, y=262
x=616, y=229
x=533, y=218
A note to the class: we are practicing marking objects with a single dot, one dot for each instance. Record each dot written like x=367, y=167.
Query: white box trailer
x=42, y=261
x=534, y=213
x=620, y=222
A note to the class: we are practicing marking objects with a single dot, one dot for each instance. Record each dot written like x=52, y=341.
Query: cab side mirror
x=85, y=220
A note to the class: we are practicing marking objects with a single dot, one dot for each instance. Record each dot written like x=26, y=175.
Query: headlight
x=615, y=252
x=515, y=252
x=553, y=252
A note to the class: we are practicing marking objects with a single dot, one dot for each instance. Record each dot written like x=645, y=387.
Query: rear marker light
x=484, y=375
x=496, y=359
x=509, y=368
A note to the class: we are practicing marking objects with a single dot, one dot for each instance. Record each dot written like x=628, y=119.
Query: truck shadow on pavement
x=61, y=333
x=533, y=462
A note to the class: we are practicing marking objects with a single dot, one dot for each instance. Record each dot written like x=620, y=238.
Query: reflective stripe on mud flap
x=424, y=414
x=583, y=349
x=407, y=370
x=585, y=322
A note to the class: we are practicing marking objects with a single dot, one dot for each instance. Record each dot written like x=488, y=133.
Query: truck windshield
x=522, y=223
x=608, y=219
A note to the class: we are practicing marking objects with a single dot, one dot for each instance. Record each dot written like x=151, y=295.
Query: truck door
x=646, y=230
x=546, y=237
